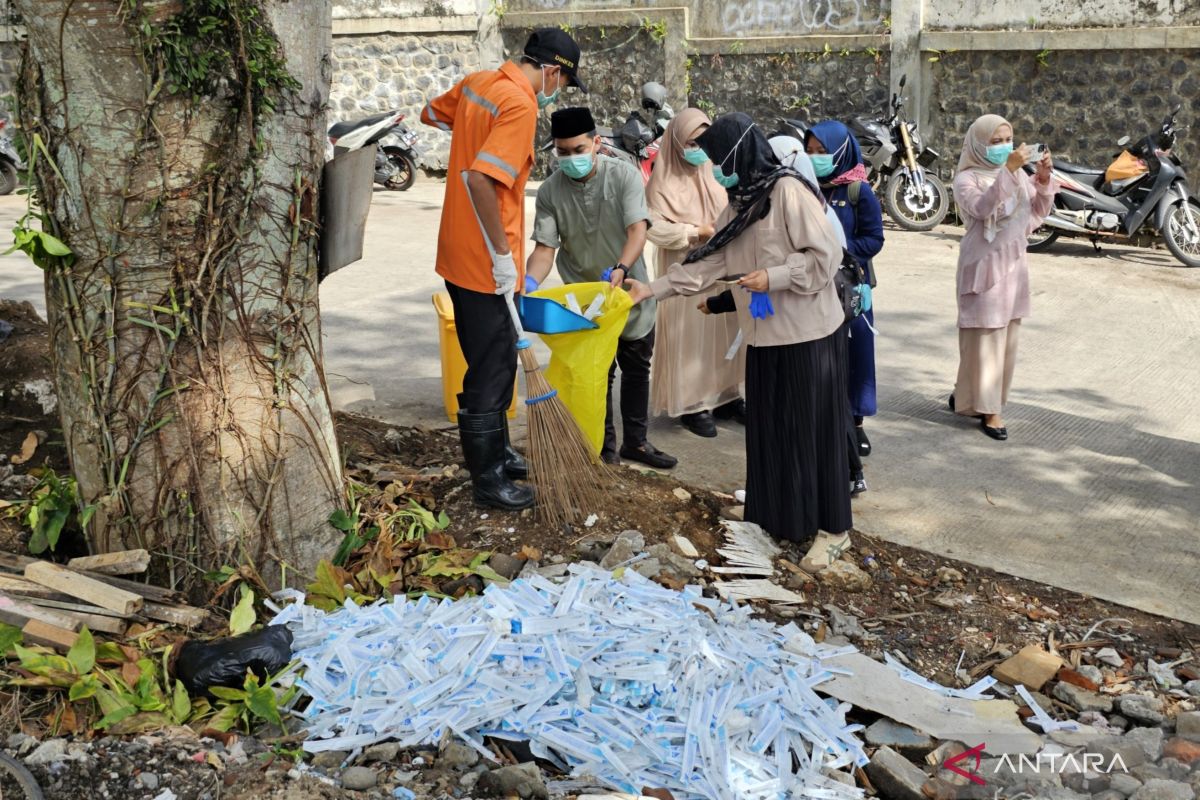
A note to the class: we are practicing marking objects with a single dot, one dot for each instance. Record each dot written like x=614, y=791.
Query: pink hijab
x=678, y=191
x=974, y=158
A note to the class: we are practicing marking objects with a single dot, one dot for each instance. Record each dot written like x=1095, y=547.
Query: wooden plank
x=17, y=612
x=38, y=632
x=12, y=562
x=96, y=618
x=24, y=588
x=126, y=562
x=187, y=616
x=83, y=587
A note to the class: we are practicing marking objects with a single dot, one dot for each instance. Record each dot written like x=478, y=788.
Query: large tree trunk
x=185, y=328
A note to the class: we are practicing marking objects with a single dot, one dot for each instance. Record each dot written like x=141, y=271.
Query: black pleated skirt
x=798, y=421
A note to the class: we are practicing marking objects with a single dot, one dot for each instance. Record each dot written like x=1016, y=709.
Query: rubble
x=1032, y=667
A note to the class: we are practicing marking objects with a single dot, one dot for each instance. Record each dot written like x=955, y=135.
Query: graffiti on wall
x=789, y=17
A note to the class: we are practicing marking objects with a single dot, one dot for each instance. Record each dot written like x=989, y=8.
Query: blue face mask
x=576, y=167
x=543, y=99
x=695, y=156
x=822, y=164
x=999, y=153
x=727, y=181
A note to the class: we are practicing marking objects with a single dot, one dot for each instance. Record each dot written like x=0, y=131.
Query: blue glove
x=606, y=276
x=531, y=284
x=760, y=305
x=864, y=291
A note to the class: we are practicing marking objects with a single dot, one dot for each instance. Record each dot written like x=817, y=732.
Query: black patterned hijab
x=738, y=145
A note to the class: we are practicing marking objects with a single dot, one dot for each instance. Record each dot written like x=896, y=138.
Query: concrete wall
x=1052, y=14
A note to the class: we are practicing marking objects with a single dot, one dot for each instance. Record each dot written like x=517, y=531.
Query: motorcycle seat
x=340, y=129
x=1075, y=169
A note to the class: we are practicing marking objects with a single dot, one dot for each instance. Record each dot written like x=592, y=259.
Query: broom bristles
x=568, y=476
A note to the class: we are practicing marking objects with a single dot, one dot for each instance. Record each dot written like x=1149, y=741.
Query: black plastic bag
x=225, y=662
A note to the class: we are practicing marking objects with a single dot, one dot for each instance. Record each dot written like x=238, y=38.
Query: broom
x=568, y=476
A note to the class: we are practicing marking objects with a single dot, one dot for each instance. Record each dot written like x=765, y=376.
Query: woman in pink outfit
x=1000, y=205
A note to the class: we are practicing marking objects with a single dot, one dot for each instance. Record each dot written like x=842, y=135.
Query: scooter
x=395, y=165
x=1144, y=191
x=897, y=162
x=10, y=159
x=637, y=142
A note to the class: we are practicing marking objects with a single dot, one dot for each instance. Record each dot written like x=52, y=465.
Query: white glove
x=504, y=271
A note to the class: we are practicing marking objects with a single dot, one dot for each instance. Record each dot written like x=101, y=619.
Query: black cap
x=554, y=47
x=567, y=123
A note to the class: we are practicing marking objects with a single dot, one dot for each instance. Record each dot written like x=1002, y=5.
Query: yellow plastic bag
x=579, y=362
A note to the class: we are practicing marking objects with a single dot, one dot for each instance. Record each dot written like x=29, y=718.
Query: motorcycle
x=395, y=164
x=1144, y=191
x=636, y=142
x=897, y=162
x=10, y=159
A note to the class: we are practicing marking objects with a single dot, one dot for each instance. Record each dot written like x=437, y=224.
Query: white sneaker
x=740, y=495
x=826, y=549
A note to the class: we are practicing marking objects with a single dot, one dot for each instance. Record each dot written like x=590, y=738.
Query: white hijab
x=790, y=152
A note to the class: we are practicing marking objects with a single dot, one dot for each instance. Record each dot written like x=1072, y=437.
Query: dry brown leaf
x=530, y=553
x=28, y=448
x=131, y=674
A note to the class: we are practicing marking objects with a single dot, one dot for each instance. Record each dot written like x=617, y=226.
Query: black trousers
x=633, y=357
x=489, y=345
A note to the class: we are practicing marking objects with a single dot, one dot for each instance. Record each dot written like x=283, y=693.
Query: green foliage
x=737, y=47
x=656, y=29
x=1043, y=58
x=9, y=635
x=243, y=617
x=252, y=704
x=43, y=248
x=498, y=9
x=212, y=45
x=52, y=504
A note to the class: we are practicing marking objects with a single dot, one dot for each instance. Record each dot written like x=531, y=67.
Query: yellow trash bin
x=454, y=366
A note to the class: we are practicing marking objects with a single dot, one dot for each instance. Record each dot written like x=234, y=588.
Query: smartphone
x=1036, y=153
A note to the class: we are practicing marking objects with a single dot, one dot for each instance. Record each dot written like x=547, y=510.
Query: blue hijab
x=839, y=142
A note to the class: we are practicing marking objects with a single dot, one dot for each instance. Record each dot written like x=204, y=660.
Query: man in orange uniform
x=493, y=118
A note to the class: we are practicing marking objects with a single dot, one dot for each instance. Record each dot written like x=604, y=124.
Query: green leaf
x=82, y=654
x=122, y=713
x=53, y=245
x=30, y=660
x=243, y=616
x=221, y=575
x=226, y=693
x=10, y=635
x=487, y=573
x=109, y=651
x=86, y=515
x=226, y=718
x=85, y=687
x=327, y=584
x=262, y=704
x=343, y=521
x=181, y=704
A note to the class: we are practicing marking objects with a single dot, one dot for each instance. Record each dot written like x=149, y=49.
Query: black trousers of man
x=489, y=345
x=633, y=357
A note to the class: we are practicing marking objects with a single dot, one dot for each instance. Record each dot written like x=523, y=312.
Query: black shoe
x=515, y=465
x=734, y=410
x=483, y=447
x=610, y=458
x=701, y=424
x=999, y=434
x=864, y=444
x=649, y=455
x=858, y=485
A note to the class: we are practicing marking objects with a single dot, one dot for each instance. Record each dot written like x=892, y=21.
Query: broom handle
x=522, y=342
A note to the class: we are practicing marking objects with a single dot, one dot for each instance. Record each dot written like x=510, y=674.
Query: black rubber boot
x=515, y=466
x=483, y=447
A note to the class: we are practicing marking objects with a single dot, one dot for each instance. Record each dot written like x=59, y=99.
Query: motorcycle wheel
x=1041, y=239
x=1182, y=233
x=913, y=211
x=8, y=177
x=406, y=170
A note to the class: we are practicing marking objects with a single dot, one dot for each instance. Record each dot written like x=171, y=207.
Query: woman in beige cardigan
x=692, y=373
x=775, y=243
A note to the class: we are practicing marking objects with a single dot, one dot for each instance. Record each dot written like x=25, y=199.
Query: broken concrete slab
x=885, y=733
x=895, y=776
x=1032, y=668
x=876, y=687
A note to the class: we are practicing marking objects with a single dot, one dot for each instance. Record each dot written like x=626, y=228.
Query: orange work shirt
x=493, y=118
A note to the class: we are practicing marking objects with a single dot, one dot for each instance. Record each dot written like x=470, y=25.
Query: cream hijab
x=974, y=157
x=678, y=191
x=790, y=152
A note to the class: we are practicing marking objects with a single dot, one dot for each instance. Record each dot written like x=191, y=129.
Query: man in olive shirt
x=592, y=210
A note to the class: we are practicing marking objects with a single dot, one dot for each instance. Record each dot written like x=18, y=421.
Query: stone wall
x=10, y=65
x=1051, y=14
x=1077, y=102
x=616, y=62
x=381, y=72
x=806, y=86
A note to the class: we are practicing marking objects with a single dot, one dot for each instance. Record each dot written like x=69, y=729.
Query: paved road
x=1097, y=491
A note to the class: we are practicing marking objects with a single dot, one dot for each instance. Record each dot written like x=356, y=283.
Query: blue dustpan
x=543, y=315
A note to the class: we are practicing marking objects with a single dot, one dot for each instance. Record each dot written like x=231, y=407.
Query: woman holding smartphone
x=1000, y=205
